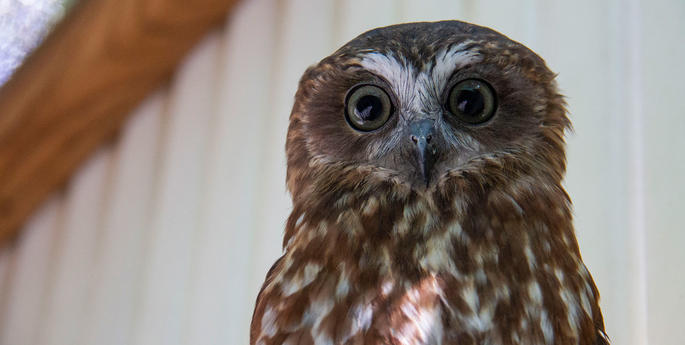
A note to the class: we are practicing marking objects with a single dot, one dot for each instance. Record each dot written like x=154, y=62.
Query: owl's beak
x=422, y=133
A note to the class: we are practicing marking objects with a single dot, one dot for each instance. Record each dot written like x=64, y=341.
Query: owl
x=425, y=163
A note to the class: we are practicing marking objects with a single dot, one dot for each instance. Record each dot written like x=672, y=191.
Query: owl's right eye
x=367, y=107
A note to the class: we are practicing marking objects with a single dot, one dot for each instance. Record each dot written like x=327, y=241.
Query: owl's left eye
x=472, y=101
x=367, y=107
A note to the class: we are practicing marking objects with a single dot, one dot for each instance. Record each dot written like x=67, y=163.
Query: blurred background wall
x=165, y=236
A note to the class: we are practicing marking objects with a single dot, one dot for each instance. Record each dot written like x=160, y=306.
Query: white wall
x=165, y=236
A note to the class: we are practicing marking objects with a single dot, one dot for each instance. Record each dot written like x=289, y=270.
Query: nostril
x=414, y=139
x=428, y=138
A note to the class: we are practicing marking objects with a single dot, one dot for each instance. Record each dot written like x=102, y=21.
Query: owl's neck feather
x=459, y=225
x=478, y=246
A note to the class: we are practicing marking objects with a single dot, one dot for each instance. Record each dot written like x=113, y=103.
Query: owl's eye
x=472, y=101
x=367, y=107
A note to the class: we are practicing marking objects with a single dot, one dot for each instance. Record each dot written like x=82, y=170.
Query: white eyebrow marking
x=417, y=91
x=449, y=60
x=396, y=71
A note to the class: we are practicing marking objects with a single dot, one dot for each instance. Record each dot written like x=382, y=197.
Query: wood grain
x=77, y=89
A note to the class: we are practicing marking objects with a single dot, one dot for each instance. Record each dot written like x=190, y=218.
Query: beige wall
x=165, y=236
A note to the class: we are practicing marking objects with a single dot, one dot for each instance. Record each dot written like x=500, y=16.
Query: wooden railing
x=76, y=90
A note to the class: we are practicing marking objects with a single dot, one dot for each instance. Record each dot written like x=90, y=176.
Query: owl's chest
x=437, y=310
x=433, y=309
x=446, y=288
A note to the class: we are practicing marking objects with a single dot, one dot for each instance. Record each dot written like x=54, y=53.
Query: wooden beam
x=76, y=90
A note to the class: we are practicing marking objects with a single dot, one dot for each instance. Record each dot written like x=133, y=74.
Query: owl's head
x=419, y=105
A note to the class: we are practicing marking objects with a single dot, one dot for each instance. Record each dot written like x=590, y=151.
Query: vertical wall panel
x=221, y=299
x=429, y=10
x=661, y=63
x=118, y=270
x=31, y=269
x=175, y=214
x=166, y=237
x=72, y=261
x=515, y=19
x=635, y=265
x=357, y=16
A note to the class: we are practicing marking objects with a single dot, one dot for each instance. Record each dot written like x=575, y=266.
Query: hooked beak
x=421, y=134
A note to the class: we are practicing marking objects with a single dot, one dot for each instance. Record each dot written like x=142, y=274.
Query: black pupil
x=369, y=108
x=470, y=102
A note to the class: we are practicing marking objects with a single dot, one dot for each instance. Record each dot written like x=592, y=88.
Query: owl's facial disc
x=416, y=119
x=422, y=105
